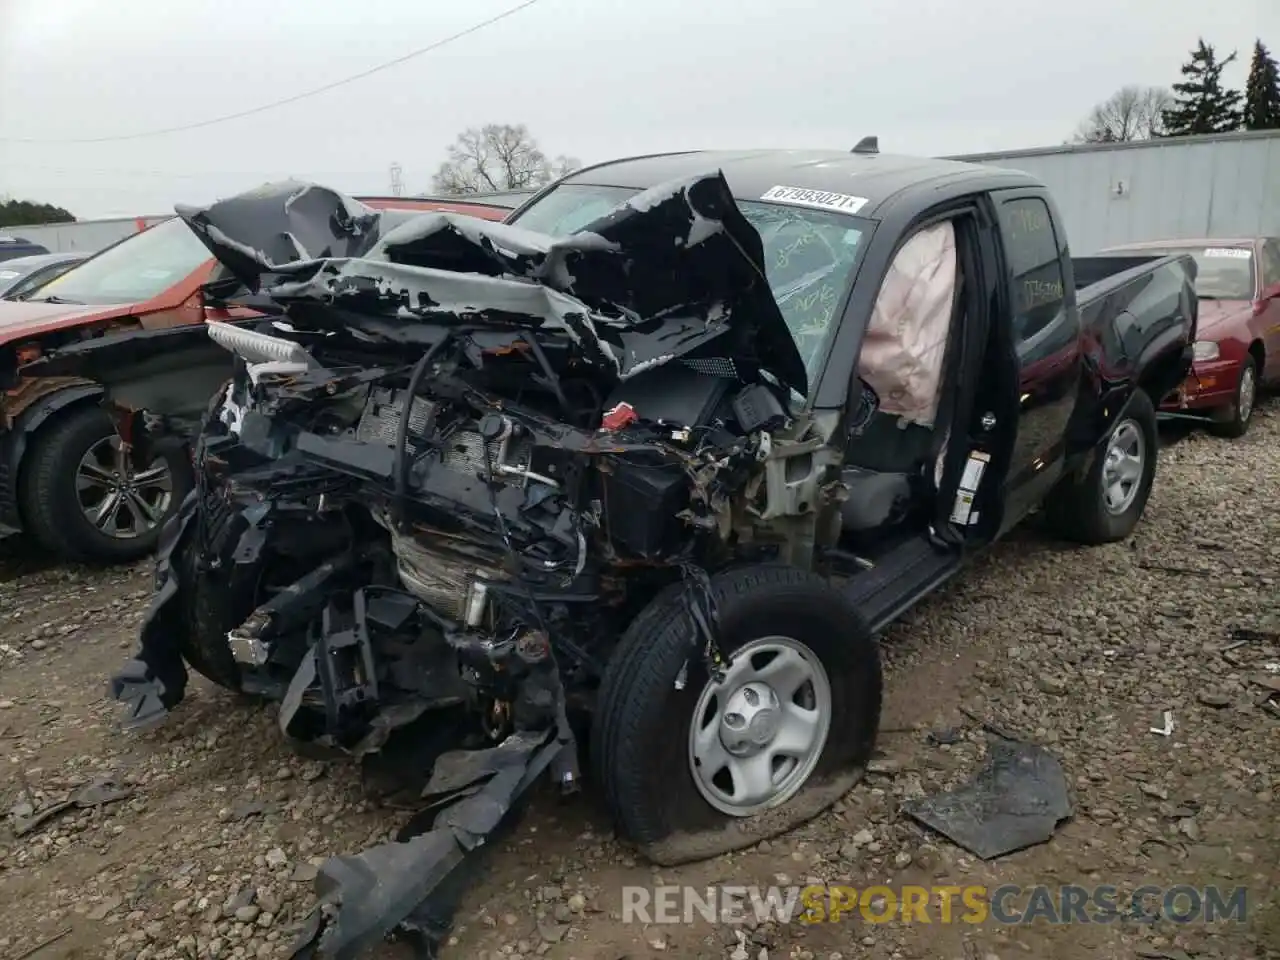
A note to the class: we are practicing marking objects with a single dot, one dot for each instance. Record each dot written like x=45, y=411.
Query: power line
x=287, y=100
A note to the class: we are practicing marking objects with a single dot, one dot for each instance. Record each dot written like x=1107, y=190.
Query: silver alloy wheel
x=1248, y=392
x=1122, y=468
x=122, y=502
x=756, y=736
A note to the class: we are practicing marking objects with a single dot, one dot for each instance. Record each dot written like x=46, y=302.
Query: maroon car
x=1237, y=348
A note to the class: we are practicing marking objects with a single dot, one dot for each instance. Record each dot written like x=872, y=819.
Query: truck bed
x=1140, y=304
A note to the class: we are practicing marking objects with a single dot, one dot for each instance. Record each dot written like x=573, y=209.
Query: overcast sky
x=591, y=78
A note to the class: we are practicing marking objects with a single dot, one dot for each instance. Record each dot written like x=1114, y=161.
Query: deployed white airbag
x=904, y=346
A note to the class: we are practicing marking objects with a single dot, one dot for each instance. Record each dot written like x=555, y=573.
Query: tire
x=53, y=508
x=1240, y=413
x=641, y=736
x=213, y=605
x=1078, y=510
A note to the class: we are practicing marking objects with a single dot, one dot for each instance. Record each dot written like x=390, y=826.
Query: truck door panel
x=1046, y=335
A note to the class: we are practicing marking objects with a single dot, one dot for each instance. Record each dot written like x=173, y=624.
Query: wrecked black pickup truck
x=627, y=485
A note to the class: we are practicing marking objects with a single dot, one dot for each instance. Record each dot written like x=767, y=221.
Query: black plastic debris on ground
x=1016, y=801
x=410, y=888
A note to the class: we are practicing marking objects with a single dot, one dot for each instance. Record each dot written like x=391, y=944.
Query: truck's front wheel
x=692, y=766
x=84, y=497
x=1107, y=503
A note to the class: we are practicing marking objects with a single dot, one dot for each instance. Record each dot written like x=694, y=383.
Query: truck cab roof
x=873, y=178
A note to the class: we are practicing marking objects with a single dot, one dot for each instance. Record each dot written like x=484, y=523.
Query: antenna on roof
x=867, y=145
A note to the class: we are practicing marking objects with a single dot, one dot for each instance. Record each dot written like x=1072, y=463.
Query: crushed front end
x=436, y=493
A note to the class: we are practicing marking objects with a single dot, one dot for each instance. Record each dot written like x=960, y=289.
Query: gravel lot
x=1079, y=650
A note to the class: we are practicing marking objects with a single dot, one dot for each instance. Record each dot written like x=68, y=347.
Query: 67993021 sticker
x=821, y=199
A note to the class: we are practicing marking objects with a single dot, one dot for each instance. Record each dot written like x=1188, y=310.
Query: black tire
x=639, y=747
x=51, y=505
x=1239, y=415
x=213, y=605
x=1077, y=510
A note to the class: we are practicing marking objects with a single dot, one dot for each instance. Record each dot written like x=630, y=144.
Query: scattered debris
x=1167, y=729
x=47, y=941
x=1015, y=802
x=1212, y=699
x=945, y=736
x=97, y=792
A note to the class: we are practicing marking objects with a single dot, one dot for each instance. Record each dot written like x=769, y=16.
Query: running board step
x=906, y=574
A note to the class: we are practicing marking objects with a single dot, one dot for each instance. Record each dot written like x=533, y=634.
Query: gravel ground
x=212, y=851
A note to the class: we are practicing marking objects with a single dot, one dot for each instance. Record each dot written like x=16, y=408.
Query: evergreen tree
x=1262, y=92
x=1202, y=104
x=24, y=212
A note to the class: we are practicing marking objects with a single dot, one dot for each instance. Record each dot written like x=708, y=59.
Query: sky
x=593, y=79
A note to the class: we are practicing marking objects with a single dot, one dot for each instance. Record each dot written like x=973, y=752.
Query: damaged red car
x=627, y=486
x=67, y=476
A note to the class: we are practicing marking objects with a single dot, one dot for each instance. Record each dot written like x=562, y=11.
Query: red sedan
x=1237, y=347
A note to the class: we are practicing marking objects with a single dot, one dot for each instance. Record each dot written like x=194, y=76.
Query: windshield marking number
x=822, y=199
x=1236, y=253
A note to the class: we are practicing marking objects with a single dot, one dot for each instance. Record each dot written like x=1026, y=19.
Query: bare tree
x=1131, y=113
x=497, y=156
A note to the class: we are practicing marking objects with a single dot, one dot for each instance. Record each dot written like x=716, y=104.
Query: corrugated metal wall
x=1223, y=186
x=84, y=236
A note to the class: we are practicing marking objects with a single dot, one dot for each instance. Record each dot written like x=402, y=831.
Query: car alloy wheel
x=119, y=499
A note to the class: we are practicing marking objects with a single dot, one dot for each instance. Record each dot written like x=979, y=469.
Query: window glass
x=1032, y=250
x=35, y=279
x=1222, y=272
x=133, y=270
x=1271, y=263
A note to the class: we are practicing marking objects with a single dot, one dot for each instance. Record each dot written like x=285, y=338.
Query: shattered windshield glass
x=809, y=254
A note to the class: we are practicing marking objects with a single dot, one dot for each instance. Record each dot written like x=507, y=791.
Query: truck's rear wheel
x=1107, y=503
x=694, y=770
x=85, y=499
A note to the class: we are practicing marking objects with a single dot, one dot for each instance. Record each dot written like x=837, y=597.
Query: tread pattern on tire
x=43, y=458
x=635, y=669
x=53, y=458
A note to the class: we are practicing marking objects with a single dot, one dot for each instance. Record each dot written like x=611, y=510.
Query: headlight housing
x=1203, y=350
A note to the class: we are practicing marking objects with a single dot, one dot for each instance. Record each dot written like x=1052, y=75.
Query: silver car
x=22, y=275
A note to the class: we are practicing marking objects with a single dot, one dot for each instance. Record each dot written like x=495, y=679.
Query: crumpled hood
x=662, y=275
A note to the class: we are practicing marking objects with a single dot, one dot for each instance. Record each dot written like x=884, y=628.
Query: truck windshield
x=1222, y=273
x=809, y=254
x=133, y=270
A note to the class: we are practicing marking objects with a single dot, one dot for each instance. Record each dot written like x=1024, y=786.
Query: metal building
x=83, y=236
x=1222, y=185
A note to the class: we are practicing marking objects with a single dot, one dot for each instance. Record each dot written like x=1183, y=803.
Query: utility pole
x=397, y=185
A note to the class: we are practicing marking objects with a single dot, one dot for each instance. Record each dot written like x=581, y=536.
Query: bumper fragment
x=402, y=886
